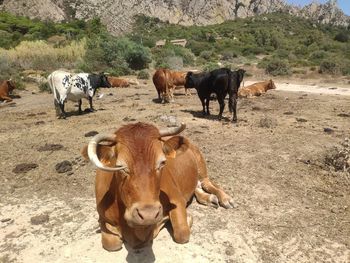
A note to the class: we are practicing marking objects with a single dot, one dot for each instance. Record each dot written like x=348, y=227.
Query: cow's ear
x=175, y=146
x=105, y=153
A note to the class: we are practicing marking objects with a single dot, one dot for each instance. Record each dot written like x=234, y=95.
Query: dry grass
x=41, y=55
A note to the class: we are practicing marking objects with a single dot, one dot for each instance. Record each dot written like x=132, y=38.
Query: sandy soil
x=291, y=207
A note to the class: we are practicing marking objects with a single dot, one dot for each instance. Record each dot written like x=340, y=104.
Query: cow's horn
x=172, y=131
x=92, y=148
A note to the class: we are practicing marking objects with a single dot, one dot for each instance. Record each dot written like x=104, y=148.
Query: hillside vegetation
x=283, y=40
x=279, y=43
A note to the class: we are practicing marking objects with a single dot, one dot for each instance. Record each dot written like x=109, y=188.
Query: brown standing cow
x=118, y=82
x=161, y=82
x=256, y=89
x=145, y=178
x=166, y=81
x=178, y=79
x=6, y=87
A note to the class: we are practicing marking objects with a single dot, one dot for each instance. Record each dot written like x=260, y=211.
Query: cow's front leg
x=90, y=102
x=111, y=237
x=234, y=107
x=79, y=106
x=180, y=224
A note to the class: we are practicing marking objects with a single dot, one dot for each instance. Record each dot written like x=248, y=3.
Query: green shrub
x=138, y=57
x=277, y=67
x=210, y=66
x=44, y=87
x=206, y=54
x=317, y=55
x=143, y=74
x=327, y=67
x=342, y=37
x=228, y=55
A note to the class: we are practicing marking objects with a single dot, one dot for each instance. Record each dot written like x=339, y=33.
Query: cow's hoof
x=111, y=242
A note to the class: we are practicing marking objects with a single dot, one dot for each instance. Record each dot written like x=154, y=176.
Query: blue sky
x=343, y=4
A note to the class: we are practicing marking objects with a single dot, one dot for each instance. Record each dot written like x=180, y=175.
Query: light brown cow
x=177, y=80
x=6, y=87
x=145, y=178
x=118, y=82
x=166, y=81
x=256, y=89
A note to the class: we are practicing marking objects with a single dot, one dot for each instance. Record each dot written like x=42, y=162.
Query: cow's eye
x=161, y=164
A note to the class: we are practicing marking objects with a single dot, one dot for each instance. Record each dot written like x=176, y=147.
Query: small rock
x=63, y=167
x=301, y=120
x=24, y=167
x=70, y=173
x=5, y=220
x=328, y=130
x=39, y=122
x=288, y=113
x=343, y=115
x=50, y=147
x=90, y=133
x=40, y=219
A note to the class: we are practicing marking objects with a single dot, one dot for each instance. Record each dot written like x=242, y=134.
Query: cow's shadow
x=213, y=117
x=75, y=113
x=142, y=255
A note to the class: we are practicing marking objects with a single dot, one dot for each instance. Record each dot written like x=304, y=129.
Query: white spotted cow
x=67, y=86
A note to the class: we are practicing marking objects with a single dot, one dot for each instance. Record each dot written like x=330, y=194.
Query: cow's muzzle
x=144, y=214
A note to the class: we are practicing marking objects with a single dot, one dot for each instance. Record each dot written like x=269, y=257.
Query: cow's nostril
x=139, y=214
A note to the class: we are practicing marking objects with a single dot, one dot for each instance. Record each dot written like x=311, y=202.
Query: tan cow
x=118, y=82
x=6, y=87
x=256, y=89
x=177, y=80
x=145, y=178
x=166, y=81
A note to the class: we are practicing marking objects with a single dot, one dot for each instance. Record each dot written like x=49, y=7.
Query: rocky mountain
x=118, y=14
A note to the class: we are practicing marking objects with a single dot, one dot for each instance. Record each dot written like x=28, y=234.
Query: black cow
x=219, y=81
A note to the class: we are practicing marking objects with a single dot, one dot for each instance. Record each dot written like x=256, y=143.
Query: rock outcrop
x=118, y=15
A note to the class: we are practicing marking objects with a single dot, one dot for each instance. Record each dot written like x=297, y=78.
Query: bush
x=327, y=67
x=44, y=87
x=138, y=57
x=206, y=54
x=342, y=37
x=277, y=67
x=210, y=66
x=105, y=51
x=228, y=55
x=143, y=74
x=317, y=55
x=174, y=57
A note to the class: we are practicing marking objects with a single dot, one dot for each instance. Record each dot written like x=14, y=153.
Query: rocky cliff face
x=118, y=14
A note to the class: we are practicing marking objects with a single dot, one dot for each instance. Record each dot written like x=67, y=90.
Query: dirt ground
x=290, y=205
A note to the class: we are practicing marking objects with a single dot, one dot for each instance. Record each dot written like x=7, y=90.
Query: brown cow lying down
x=145, y=178
x=6, y=87
x=256, y=89
x=118, y=82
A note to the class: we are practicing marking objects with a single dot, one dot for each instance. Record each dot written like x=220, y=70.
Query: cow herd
x=147, y=176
